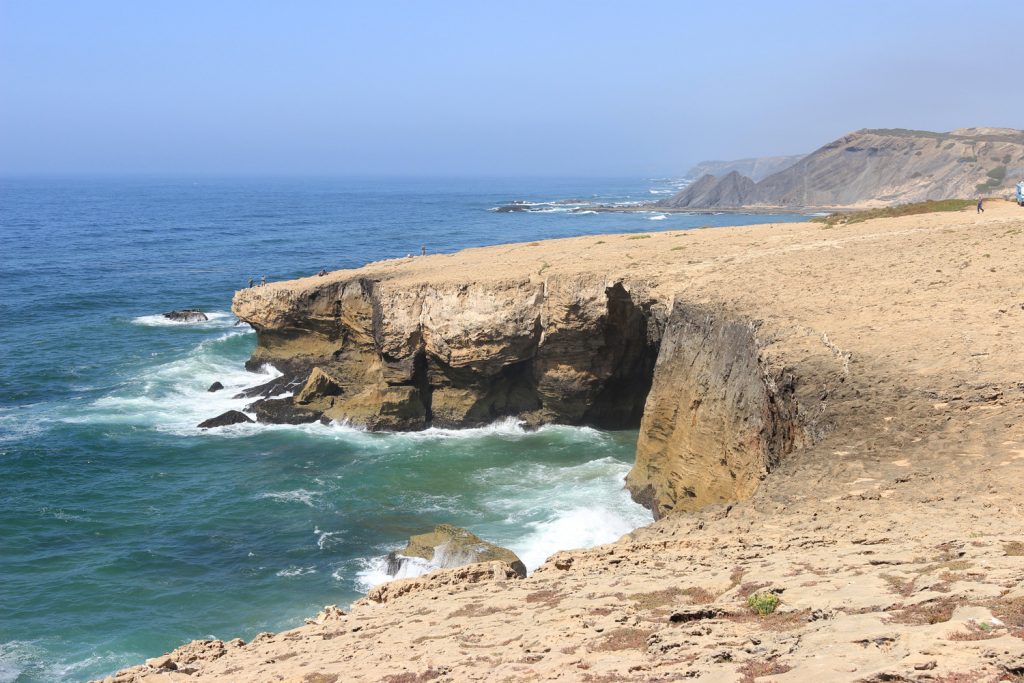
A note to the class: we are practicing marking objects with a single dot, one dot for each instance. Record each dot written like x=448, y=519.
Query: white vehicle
x=1020, y=193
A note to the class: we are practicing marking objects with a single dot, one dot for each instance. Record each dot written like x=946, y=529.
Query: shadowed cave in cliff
x=597, y=376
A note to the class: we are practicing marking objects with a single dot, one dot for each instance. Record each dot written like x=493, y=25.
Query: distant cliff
x=755, y=169
x=874, y=168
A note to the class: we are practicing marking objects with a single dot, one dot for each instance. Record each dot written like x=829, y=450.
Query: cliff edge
x=832, y=431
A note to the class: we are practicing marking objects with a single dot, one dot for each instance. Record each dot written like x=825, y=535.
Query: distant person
x=263, y=281
x=250, y=283
x=981, y=209
x=423, y=250
x=323, y=271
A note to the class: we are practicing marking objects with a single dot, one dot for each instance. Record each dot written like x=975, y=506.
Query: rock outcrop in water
x=231, y=417
x=186, y=315
x=450, y=546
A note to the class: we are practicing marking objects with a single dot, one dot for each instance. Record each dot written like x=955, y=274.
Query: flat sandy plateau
x=894, y=542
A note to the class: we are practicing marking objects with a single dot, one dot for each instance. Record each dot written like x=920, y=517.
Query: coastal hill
x=831, y=430
x=756, y=169
x=872, y=168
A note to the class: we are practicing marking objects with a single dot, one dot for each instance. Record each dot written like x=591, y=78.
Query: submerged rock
x=186, y=315
x=450, y=546
x=216, y=386
x=514, y=207
x=278, y=385
x=282, y=411
x=232, y=417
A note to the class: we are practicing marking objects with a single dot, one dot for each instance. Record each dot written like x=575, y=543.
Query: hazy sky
x=477, y=87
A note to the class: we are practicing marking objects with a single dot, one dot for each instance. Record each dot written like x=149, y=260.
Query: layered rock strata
x=378, y=351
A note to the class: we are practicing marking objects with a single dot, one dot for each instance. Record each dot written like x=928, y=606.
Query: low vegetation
x=763, y=603
x=931, y=206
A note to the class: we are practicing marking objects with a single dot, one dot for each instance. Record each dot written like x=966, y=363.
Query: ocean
x=125, y=531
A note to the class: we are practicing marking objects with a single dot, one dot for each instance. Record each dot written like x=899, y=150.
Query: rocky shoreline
x=831, y=431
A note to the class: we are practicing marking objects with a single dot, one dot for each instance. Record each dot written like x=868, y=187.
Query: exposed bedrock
x=573, y=350
x=719, y=416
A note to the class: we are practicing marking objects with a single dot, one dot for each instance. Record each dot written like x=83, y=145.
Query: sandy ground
x=894, y=545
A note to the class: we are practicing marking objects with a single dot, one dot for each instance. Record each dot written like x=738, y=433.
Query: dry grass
x=475, y=609
x=959, y=677
x=547, y=597
x=1014, y=549
x=653, y=600
x=931, y=612
x=974, y=632
x=776, y=621
x=410, y=677
x=1011, y=613
x=932, y=206
x=899, y=585
x=753, y=670
x=623, y=639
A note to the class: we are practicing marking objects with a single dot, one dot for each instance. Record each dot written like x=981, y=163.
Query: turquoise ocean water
x=125, y=531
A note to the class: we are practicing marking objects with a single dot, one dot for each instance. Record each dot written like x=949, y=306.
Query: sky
x=507, y=88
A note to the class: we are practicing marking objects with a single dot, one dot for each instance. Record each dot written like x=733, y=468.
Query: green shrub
x=763, y=602
x=930, y=206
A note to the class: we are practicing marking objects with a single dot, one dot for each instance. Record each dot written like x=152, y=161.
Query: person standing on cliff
x=250, y=283
x=423, y=250
x=981, y=209
x=263, y=281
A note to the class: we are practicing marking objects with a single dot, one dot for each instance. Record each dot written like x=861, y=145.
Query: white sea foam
x=297, y=496
x=215, y=319
x=562, y=507
x=174, y=396
x=374, y=571
x=658, y=217
x=20, y=659
x=546, y=508
x=327, y=539
x=296, y=571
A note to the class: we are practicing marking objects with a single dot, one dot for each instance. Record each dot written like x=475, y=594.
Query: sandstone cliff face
x=375, y=353
x=580, y=349
x=718, y=417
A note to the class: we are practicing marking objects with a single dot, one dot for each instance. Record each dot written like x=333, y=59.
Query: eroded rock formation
x=718, y=418
x=450, y=546
x=373, y=353
x=386, y=352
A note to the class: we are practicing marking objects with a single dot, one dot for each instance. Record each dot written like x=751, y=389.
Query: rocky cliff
x=372, y=350
x=875, y=168
x=719, y=417
x=395, y=347
x=885, y=546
